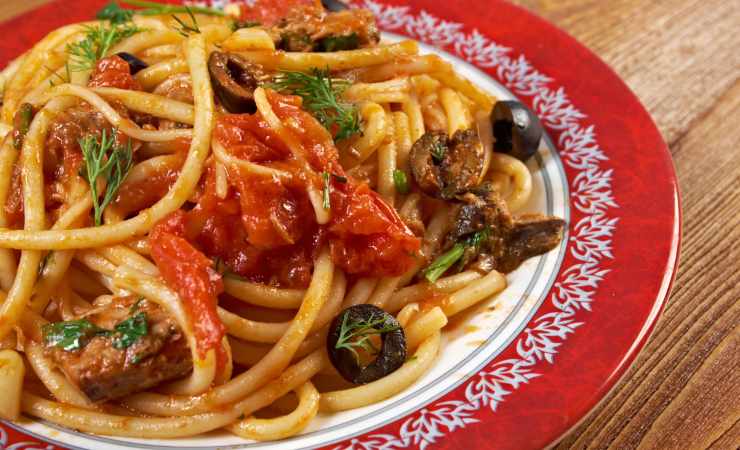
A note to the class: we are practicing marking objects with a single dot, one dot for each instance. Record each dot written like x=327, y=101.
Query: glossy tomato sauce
x=265, y=229
x=114, y=72
x=269, y=12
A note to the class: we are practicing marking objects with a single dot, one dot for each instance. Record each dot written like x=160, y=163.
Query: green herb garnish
x=113, y=13
x=327, y=190
x=75, y=334
x=320, y=94
x=401, y=181
x=130, y=330
x=187, y=29
x=71, y=335
x=22, y=122
x=357, y=335
x=113, y=10
x=338, y=43
x=98, y=41
x=438, y=151
x=453, y=255
x=104, y=158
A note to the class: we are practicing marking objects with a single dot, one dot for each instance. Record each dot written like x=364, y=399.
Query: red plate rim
x=625, y=227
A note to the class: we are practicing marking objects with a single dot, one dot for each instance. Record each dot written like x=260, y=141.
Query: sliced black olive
x=345, y=338
x=234, y=81
x=445, y=167
x=516, y=128
x=135, y=64
x=334, y=5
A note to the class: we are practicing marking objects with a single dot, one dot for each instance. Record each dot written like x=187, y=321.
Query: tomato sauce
x=133, y=197
x=114, y=72
x=265, y=228
x=193, y=278
x=269, y=12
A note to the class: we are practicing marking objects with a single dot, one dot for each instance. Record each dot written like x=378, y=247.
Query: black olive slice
x=135, y=64
x=363, y=321
x=516, y=128
x=334, y=5
x=234, y=81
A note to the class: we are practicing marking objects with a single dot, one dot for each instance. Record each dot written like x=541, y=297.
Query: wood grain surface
x=682, y=59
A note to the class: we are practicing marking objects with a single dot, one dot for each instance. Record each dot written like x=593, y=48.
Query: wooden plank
x=702, y=312
x=678, y=56
x=706, y=404
x=681, y=58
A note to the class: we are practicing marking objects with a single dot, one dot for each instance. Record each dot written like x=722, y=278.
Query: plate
x=526, y=366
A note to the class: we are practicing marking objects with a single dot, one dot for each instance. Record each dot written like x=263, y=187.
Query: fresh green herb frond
x=113, y=13
x=98, y=41
x=56, y=78
x=186, y=29
x=158, y=9
x=75, y=334
x=107, y=160
x=453, y=255
x=131, y=330
x=320, y=94
x=438, y=151
x=71, y=335
x=354, y=335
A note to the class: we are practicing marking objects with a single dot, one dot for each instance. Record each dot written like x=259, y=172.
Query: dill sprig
x=158, y=9
x=104, y=158
x=355, y=335
x=98, y=41
x=187, y=29
x=320, y=94
x=115, y=13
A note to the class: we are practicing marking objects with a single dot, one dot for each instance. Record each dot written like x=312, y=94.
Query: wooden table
x=682, y=58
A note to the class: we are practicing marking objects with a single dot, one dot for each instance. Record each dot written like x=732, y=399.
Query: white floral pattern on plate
x=590, y=239
x=591, y=236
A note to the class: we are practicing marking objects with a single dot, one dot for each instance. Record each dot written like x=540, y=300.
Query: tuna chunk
x=105, y=365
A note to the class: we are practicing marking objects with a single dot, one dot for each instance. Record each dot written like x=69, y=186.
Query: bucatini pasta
x=219, y=207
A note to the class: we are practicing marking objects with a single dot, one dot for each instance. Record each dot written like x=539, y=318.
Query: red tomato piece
x=366, y=235
x=189, y=273
x=113, y=71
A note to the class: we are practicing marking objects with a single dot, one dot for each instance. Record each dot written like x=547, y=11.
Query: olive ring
x=392, y=353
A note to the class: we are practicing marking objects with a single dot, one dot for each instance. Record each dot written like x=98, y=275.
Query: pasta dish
x=239, y=219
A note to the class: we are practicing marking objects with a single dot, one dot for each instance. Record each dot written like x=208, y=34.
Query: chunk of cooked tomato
x=366, y=235
x=190, y=273
x=114, y=72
